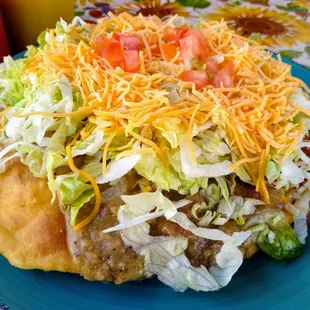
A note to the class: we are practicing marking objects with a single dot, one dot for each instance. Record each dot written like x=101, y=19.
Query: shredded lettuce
x=3, y=161
x=290, y=172
x=43, y=159
x=93, y=167
x=228, y=261
x=90, y=145
x=223, y=186
x=58, y=139
x=300, y=210
x=71, y=189
x=163, y=206
x=85, y=197
x=153, y=169
x=9, y=148
x=172, y=89
x=207, y=233
x=33, y=128
x=237, y=206
x=118, y=168
x=12, y=89
x=206, y=170
x=192, y=186
x=272, y=171
x=32, y=156
x=205, y=216
x=240, y=170
x=165, y=256
x=169, y=177
x=300, y=99
x=31, y=51
x=156, y=199
x=41, y=38
x=303, y=202
x=213, y=195
x=52, y=160
x=74, y=193
x=213, y=143
x=170, y=130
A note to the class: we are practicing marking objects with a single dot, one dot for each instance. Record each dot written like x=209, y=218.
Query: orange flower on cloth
x=152, y=7
x=275, y=28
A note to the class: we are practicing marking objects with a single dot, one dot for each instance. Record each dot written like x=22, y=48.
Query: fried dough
x=32, y=230
x=104, y=257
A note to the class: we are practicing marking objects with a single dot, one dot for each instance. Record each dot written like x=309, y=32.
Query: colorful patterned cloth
x=281, y=25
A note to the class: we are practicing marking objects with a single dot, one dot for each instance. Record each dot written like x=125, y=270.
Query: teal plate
x=261, y=283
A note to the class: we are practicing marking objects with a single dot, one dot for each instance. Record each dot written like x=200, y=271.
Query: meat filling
x=104, y=257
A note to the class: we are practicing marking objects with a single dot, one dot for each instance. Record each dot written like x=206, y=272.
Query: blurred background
x=23, y=20
x=281, y=25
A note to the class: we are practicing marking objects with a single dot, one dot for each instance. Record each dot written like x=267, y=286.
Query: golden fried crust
x=32, y=230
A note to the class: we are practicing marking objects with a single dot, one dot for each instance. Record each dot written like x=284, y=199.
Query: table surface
x=282, y=25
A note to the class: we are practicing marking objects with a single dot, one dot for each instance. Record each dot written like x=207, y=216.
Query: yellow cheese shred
x=105, y=152
x=92, y=181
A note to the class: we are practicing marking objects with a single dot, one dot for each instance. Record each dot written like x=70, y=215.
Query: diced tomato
x=131, y=60
x=200, y=78
x=223, y=79
x=101, y=42
x=204, y=54
x=114, y=53
x=173, y=35
x=154, y=39
x=212, y=66
x=197, y=34
x=154, y=43
x=116, y=35
x=229, y=66
x=190, y=48
x=104, y=52
x=169, y=51
x=202, y=46
x=130, y=42
x=185, y=27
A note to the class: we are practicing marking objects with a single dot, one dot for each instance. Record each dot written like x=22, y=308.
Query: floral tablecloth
x=281, y=25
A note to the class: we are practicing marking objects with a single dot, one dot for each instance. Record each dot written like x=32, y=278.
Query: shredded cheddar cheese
x=92, y=181
x=105, y=152
x=255, y=112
